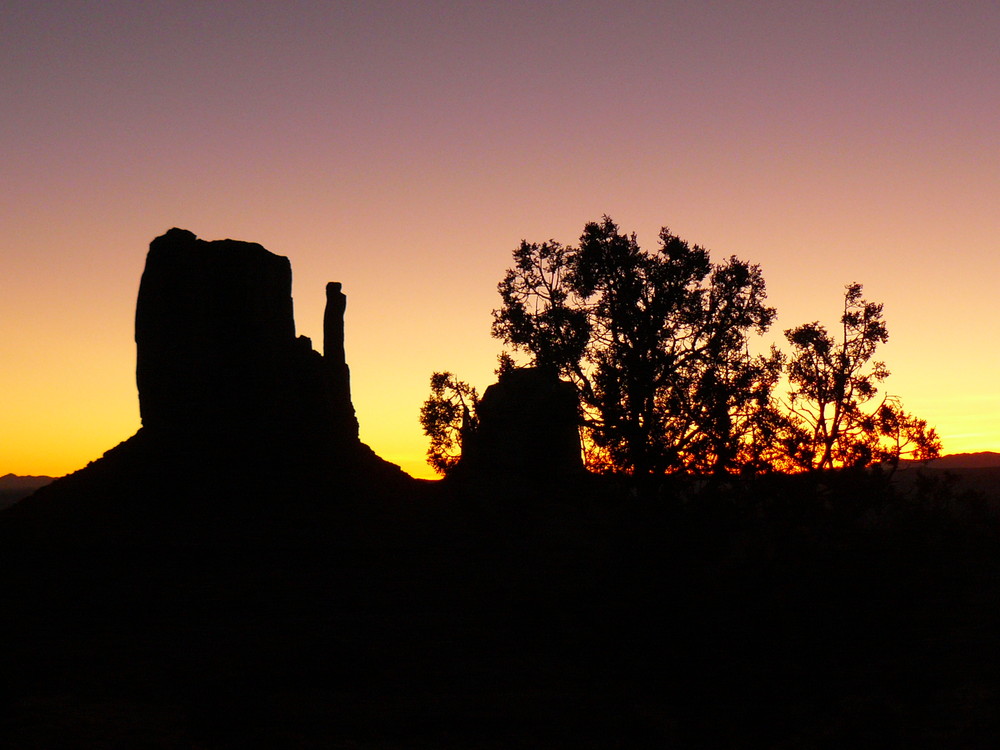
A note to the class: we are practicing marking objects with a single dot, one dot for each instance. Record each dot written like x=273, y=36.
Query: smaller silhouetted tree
x=448, y=417
x=834, y=417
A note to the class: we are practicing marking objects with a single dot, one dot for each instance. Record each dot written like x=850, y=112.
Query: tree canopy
x=665, y=350
x=656, y=342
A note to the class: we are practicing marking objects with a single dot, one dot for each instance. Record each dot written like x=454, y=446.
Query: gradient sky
x=405, y=148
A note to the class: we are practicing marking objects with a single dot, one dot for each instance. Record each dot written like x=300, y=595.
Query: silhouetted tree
x=448, y=417
x=834, y=416
x=656, y=343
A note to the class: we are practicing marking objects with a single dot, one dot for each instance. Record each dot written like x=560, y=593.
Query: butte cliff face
x=244, y=425
x=216, y=351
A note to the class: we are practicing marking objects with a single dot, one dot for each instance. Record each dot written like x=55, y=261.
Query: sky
x=406, y=148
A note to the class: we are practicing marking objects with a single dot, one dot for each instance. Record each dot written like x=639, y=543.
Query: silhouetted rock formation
x=216, y=349
x=245, y=428
x=528, y=427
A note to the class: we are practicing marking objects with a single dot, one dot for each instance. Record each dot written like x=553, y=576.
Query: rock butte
x=216, y=349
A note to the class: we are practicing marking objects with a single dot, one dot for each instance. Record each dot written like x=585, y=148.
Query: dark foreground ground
x=493, y=615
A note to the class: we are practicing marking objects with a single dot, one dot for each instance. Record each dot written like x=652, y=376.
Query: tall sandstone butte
x=246, y=430
x=216, y=350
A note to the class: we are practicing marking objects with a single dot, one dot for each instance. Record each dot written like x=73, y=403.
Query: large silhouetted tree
x=656, y=343
x=835, y=415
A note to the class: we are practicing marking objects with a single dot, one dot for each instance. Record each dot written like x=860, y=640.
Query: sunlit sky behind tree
x=406, y=148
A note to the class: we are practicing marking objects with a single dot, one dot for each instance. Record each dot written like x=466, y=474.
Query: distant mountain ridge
x=980, y=460
x=14, y=487
x=15, y=482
